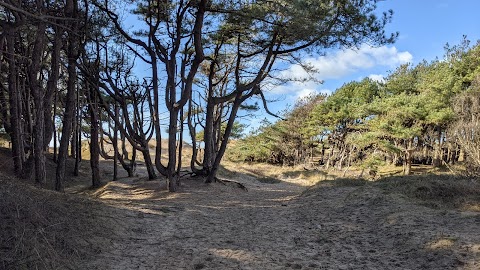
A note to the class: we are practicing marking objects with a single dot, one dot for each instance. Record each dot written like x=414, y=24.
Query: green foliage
x=372, y=121
x=283, y=142
x=297, y=22
x=238, y=130
x=345, y=106
x=465, y=62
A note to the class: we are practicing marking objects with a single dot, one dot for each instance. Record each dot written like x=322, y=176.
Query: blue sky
x=425, y=26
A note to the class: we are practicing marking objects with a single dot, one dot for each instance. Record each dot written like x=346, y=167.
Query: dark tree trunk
x=149, y=164
x=191, y=129
x=437, y=159
x=38, y=100
x=15, y=103
x=75, y=149
x=52, y=89
x=94, y=132
x=115, y=144
x=228, y=130
x=124, y=156
x=180, y=144
x=71, y=11
x=3, y=91
x=74, y=137
x=55, y=139
x=208, y=136
x=172, y=177
x=408, y=158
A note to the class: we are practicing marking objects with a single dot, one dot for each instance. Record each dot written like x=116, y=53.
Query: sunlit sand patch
x=443, y=243
x=471, y=207
x=239, y=255
x=475, y=248
x=283, y=199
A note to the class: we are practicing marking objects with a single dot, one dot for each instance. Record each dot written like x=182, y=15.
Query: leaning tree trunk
x=228, y=130
x=149, y=163
x=124, y=156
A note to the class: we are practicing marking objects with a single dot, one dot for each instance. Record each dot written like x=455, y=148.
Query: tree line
x=419, y=114
x=70, y=70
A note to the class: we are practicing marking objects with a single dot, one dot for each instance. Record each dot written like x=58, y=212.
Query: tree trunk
x=52, y=89
x=408, y=158
x=94, y=144
x=38, y=99
x=172, y=177
x=14, y=100
x=124, y=156
x=76, y=136
x=149, y=164
x=115, y=144
x=55, y=139
x=3, y=91
x=228, y=130
x=192, y=131
x=438, y=148
x=180, y=143
x=208, y=137
x=71, y=11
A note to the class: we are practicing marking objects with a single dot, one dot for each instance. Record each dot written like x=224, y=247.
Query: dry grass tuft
x=436, y=191
x=42, y=229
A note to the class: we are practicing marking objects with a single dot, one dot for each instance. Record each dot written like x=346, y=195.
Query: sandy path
x=272, y=227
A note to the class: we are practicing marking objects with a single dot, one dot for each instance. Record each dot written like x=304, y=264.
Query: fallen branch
x=185, y=173
x=238, y=184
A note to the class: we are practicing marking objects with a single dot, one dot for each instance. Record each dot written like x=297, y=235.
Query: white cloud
x=377, y=77
x=336, y=66
x=348, y=61
x=295, y=90
x=305, y=92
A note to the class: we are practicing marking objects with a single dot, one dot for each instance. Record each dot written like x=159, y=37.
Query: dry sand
x=135, y=224
x=279, y=226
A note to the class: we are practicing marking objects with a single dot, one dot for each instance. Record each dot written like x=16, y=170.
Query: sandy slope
x=275, y=226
